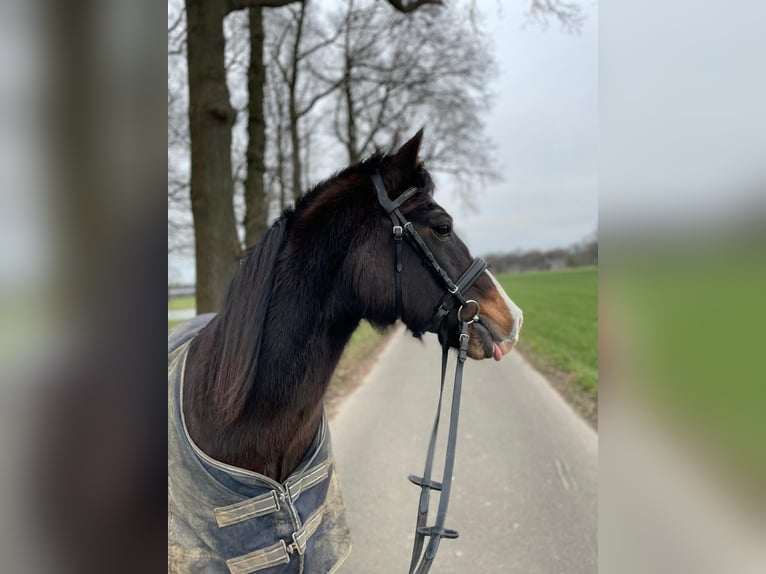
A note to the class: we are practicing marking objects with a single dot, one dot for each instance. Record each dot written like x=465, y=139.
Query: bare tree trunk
x=281, y=164
x=211, y=117
x=294, y=116
x=277, y=112
x=256, y=198
x=307, y=159
x=351, y=140
x=296, y=153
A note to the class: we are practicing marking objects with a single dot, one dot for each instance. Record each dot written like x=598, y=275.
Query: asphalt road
x=525, y=489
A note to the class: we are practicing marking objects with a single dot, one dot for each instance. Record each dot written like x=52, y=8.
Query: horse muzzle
x=486, y=342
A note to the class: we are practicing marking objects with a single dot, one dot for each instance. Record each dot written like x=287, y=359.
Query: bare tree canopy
x=407, y=6
x=569, y=15
x=366, y=76
x=253, y=102
x=432, y=69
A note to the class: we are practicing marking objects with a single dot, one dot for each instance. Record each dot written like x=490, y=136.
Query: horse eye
x=444, y=230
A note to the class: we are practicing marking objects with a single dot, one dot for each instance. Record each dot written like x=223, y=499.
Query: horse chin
x=480, y=343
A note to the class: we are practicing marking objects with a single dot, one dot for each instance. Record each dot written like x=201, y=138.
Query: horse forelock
x=355, y=179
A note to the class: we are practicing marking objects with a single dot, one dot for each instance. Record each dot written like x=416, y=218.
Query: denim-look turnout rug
x=223, y=519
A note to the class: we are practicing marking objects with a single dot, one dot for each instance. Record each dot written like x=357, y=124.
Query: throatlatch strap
x=398, y=223
x=398, y=233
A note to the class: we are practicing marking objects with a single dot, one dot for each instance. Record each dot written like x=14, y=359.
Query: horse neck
x=310, y=320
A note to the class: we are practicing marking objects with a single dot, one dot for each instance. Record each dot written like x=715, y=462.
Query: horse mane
x=237, y=331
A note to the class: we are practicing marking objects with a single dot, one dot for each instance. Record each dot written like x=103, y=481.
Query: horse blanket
x=224, y=519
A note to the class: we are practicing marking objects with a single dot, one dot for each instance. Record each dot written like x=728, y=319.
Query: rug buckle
x=295, y=546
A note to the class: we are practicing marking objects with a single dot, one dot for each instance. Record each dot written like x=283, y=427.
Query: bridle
x=402, y=228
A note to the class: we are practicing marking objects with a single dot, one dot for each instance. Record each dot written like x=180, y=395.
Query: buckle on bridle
x=398, y=232
x=463, y=349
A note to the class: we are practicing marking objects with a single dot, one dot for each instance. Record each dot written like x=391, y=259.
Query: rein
x=402, y=228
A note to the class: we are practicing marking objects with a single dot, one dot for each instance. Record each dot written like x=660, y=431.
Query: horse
x=250, y=380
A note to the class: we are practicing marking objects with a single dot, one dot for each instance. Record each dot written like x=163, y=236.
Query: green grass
x=695, y=327
x=358, y=356
x=560, y=332
x=362, y=341
x=184, y=302
x=361, y=349
x=179, y=303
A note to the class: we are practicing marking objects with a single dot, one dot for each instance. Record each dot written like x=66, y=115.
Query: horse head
x=495, y=330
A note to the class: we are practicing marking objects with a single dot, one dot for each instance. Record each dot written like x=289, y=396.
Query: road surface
x=525, y=491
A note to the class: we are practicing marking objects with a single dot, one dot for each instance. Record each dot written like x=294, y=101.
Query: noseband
x=402, y=228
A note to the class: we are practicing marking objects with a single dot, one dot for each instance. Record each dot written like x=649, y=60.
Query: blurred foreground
x=82, y=172
x=683, y=449
x=682, y=215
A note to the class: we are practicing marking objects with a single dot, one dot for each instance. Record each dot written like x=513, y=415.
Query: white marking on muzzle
x=513, y=309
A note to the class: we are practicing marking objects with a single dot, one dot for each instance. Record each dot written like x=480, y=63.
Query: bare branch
x=243, y=4
x=330, y=89
x=323, y=44
x=407, y=6
x=569, y=14
x=177, y=22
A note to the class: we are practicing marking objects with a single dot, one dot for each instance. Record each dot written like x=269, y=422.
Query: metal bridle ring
x=475, y=315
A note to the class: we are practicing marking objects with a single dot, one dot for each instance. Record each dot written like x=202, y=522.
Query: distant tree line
x=579, y=254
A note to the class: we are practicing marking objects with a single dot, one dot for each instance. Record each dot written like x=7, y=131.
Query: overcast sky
x=545, y=128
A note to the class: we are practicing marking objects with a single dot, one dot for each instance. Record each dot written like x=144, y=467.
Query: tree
x=298, y=44
x=372, y=119
x=180, y=228
x=256, y=198
x=569, y=14
x=211, y=117
x=438, y=77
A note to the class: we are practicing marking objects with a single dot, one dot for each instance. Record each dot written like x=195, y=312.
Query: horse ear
x=407, y=156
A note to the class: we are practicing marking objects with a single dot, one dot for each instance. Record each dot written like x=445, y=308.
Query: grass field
x=695, y=326
x=560, y=333
x=178, y=303
x=359, y=355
